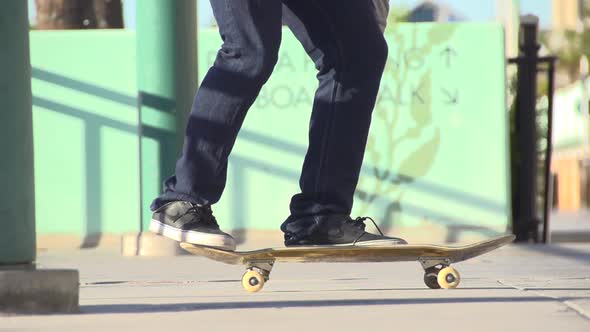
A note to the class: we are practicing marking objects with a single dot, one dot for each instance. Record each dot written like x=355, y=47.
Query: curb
x=31, y=291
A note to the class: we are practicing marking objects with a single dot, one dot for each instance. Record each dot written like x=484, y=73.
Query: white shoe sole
x=372, y=243
x=224, y=242
x=378, y=243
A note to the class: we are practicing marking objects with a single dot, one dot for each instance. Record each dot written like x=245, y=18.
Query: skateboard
x=436, y=260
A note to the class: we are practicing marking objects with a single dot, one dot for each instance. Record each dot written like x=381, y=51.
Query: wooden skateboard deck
x=435, y=259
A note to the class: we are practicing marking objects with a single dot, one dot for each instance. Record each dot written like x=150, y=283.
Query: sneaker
x=334, y=230
x=187, y=222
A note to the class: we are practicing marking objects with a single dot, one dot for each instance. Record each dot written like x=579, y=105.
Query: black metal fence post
x=526, y=221
x=549, y=183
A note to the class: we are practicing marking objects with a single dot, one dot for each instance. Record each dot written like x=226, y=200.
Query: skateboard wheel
x=448, y=278
x=253, y=281
x=431, y=277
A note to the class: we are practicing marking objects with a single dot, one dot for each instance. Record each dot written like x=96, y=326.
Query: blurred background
x=457, y=10
x=442, y=162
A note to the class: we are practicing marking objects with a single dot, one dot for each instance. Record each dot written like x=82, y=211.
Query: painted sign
x=436, y=165
x=435, y=169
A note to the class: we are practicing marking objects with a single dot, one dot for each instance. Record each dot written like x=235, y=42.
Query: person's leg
x=251, y=34
x=381, y=8
x=349, y=50
x=346, y=43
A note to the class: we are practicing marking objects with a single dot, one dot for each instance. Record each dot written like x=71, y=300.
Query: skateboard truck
x=428, y=263
x=438, y=273
x=257, y=274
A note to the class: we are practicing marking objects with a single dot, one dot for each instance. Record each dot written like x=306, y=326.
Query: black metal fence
x=527, y=156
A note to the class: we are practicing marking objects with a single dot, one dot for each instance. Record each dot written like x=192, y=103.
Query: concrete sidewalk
x=517, y=288
x=570, y=226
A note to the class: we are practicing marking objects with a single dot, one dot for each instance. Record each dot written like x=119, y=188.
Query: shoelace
x=203, y=215
x=360, y=223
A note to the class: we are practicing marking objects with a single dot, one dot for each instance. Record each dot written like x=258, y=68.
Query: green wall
x=436, y=159
x=85, y=131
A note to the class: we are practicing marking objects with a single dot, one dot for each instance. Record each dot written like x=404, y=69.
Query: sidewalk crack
x=569, y=304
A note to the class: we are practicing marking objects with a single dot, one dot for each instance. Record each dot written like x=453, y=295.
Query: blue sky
x=477, y=10
x=483, y=10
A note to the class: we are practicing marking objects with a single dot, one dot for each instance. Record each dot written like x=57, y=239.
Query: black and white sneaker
x=333, y=230
x=187, y=222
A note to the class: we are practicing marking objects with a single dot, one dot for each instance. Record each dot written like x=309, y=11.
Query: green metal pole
x=167, y=76
x=17, y=194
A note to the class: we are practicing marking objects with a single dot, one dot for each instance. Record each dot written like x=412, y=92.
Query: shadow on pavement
x=555, y=250
x=426, y=289
x=179, y=307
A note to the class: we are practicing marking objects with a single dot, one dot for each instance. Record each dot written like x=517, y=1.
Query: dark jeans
x=349, y=51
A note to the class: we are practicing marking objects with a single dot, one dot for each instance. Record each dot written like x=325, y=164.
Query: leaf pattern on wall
x=392, y=162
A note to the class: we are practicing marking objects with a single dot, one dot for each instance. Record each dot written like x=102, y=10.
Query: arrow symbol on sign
x=448, y=53
x=452, y=97
x=416, y=95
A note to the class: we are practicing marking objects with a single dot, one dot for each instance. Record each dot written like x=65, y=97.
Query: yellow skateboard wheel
x=253, y=281
x=448, y=278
